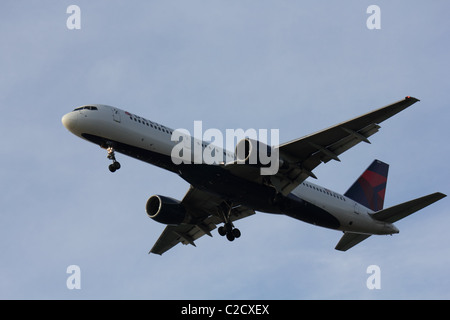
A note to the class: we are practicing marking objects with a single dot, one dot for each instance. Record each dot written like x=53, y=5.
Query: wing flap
x=185, y=233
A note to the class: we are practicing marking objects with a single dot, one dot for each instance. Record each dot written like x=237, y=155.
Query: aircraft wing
x=305, y=154
x=203, y=207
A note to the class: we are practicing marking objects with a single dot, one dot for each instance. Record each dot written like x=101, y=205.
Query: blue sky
x=294, y=66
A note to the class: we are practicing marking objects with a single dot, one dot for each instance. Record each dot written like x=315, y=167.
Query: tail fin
x=370, y=188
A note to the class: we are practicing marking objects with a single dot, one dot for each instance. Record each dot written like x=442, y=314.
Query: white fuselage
x=353, y=217
x=112, y=124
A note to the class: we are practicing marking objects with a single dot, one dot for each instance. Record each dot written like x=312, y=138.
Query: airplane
x=222, y=193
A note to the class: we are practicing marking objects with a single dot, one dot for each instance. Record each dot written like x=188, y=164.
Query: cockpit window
x=86, y=108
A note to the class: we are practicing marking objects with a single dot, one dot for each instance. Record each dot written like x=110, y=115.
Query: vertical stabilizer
x=370, y=188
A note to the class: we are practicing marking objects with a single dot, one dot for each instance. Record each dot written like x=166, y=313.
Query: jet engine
x=253, y=152
x=165, y=210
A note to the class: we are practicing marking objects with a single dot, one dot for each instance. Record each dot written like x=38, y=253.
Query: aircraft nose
x=70, y=121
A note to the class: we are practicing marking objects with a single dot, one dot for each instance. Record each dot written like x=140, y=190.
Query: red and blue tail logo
x=370, y=188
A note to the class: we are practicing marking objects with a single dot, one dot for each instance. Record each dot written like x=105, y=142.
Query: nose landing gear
x=111, y=156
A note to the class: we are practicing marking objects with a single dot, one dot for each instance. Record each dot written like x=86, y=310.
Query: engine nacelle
x=258, y=154
x=253, y=152
x=165, y=210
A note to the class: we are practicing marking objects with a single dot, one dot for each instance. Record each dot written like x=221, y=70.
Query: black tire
x=236, y=233
x=222, y=231
x=112, y=168
x=230, y=236
x=116, y=165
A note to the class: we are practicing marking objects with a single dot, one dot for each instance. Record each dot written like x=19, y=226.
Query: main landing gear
x=111, y=156
x=228, y=228
x=229, y=231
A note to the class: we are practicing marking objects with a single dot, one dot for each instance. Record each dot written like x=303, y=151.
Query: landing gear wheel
x=222, y=231
x=111, y=156
x=114, y=166
x=229, y=231
x=230, y=236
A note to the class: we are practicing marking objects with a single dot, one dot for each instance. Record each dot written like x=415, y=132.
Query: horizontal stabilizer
x=389, y=215
x=403, y=210
x=349, y=240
